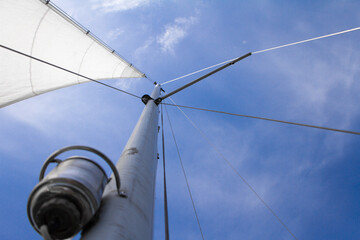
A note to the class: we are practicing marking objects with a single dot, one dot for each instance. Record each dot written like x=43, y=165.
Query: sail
x=40, y=29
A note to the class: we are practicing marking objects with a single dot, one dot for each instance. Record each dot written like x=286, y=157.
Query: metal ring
x=52, y=157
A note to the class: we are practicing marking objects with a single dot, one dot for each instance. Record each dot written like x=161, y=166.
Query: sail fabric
x=40, y=29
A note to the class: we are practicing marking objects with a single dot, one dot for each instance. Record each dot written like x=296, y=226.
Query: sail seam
x=124, y=70
x=71, y=20
x=67, y=70
x=115, y=69
x=82, y=60
x=32, y=48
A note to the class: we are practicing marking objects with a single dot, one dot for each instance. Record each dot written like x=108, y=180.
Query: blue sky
x=309, y=177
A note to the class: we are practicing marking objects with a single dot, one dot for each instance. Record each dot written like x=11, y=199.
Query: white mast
x=131, y=217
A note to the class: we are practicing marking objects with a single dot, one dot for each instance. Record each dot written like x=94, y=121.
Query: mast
x=131, y=216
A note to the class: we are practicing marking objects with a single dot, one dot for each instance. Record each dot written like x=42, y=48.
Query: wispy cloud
x=114, y=34
x=174, y=33
x=49, y=113
x=127, y=84
x=141, y=50
x=118, y=5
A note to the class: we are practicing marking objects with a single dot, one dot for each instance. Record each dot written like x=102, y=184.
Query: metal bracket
x=158, y=101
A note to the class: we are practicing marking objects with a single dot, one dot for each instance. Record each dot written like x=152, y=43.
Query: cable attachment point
x=158, y=101
x=146, y=98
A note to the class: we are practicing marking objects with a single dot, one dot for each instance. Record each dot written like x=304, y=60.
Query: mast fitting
x=146, y=98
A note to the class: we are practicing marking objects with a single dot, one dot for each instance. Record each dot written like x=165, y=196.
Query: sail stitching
x=71, y=20
x=67, y=70
x=82, y=60
x=122, y=72
x=32, y=48
x=116, y=69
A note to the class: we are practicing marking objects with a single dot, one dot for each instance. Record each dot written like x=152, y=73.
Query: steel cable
x=235, y=171
x=265, y=50
x=186, y=179
x=69, y=71
x=166, y=215
x=157, y=101
x=308, y=40
x=266, y=119
x=201, y=70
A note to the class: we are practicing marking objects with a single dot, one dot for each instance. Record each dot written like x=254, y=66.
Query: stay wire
x=66, y=70
x=186, y=179
x=265, y=50
x=166, y=215
x=308, y=40
x=150, y=80
x=201, y=70
x=202, y=77
x=236, y=172
x=266, y=119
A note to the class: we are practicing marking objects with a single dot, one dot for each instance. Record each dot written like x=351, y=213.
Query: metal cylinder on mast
x=131, y=217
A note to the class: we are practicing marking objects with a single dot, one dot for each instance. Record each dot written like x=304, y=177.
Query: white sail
x=39, y=29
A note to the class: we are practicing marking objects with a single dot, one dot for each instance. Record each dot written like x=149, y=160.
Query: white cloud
x=57, y=114
x=114, y=34
x=118, y=5
x=174, y=33
x=139, y=51
x=127, y=84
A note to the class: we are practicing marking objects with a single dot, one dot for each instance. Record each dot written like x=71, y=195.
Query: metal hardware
x=145, y=99
x=69, y=197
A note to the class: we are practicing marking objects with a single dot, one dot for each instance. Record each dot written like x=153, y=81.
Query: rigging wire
x=234, y=169
x=265, y=50
x=157, y=101
x=172, y=80
x=308, y=40
x=69, y=71
x=183, y=170
x=266, y=119
x=150, y=80
x=166, y=215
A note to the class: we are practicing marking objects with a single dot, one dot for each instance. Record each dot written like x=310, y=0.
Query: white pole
x=132, y=217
